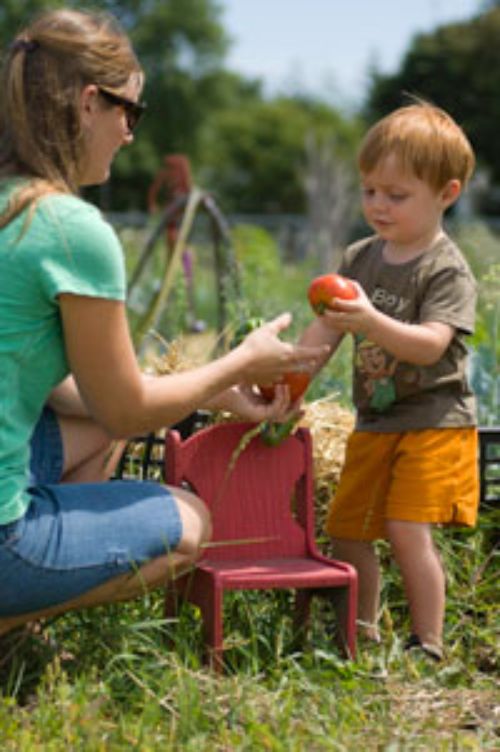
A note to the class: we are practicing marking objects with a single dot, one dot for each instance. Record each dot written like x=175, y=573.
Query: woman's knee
x=196, y=522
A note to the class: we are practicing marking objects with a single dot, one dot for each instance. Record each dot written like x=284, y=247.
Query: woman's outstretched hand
x=267, y=357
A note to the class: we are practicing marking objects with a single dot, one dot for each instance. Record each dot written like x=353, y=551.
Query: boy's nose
x=379, y=202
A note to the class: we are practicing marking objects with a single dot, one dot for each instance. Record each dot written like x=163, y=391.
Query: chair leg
x=175, y=594
x=211, y=607
x=301, y=616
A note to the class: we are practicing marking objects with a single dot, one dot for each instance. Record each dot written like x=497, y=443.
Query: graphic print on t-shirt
x=376, y=370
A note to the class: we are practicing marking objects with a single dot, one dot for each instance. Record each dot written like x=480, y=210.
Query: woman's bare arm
x=103, y=362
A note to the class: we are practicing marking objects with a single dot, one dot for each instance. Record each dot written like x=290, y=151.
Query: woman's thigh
x=75, y=537
x=71, y=449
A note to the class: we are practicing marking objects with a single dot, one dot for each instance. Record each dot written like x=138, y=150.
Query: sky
x=326, y=47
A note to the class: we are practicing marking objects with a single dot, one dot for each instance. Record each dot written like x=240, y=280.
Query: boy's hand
x=351, y=316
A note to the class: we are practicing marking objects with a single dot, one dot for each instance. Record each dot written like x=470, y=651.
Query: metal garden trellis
x=143, y=455
x=226, y=270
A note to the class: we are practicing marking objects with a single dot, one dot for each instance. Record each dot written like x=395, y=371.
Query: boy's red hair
x=426, y=140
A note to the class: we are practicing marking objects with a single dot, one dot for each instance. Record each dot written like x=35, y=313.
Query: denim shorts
x=77, y=536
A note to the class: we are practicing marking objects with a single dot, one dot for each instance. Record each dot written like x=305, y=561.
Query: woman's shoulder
x=74, y=218
x=68, y=206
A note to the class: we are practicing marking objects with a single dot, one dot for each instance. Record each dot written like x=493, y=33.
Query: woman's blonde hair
x=425, y=139
x=44, y=71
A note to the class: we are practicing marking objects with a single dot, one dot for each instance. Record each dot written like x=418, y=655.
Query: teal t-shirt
x=66, y=246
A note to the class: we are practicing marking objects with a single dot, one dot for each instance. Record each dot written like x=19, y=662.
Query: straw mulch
x=330, y=425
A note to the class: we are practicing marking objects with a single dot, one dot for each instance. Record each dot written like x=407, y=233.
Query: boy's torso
x=437, y=286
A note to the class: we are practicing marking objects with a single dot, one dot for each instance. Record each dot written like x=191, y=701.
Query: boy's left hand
x=351, y=316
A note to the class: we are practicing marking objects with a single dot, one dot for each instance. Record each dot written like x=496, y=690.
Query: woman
x=69, y=378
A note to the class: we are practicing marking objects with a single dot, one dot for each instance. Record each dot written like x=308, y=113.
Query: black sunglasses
x=133, y=110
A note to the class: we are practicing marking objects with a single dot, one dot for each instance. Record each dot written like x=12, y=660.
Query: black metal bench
x=489, y=466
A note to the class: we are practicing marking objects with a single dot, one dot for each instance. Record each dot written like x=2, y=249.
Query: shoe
x=433, y=651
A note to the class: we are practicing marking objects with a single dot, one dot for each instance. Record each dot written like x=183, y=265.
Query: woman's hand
x=245, y=402
x=267, y=357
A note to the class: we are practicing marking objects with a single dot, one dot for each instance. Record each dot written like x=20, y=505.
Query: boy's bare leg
x=423, y=577
x=362, y=556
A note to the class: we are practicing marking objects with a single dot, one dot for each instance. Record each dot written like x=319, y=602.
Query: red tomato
x=323, y=289
x=297, y=382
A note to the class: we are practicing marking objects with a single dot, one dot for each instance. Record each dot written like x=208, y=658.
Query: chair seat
x=291, y=572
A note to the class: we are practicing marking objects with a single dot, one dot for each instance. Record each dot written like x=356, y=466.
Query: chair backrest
x=260, y=497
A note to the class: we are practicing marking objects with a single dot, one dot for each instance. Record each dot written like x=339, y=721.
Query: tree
x=14, y=14
x=255, y=153
x=456, y=67
x=251, y=152
x=330, y=184
x=181, y=45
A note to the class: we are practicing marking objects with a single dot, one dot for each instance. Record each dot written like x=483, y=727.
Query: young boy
x=411, y=461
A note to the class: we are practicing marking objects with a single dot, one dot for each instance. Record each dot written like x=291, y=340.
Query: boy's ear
x=451, y=192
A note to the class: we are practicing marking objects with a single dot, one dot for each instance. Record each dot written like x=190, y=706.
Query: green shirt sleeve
x=80, y=252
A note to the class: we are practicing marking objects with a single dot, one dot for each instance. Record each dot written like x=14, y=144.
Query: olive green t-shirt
x=66, y=246
x=392, y=395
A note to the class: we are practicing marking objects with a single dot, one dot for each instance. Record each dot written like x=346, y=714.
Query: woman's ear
x=88, y=104
x=451, y=192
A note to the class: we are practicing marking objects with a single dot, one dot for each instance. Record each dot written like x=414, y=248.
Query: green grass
x=110, y=679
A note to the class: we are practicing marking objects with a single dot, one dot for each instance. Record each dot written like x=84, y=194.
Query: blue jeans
x=77, y=536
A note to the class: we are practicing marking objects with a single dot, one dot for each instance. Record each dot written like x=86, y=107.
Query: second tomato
x=297, y=382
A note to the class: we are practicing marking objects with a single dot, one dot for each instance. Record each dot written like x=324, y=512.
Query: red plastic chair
x=261, y=501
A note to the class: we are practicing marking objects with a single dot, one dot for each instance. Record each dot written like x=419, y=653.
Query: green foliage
x=254, y=153
x=460, y=57
x=269, y=287
x=257, y=256
x=482, y=249
x=181, y=45
x=14, y=14
x=247, y=150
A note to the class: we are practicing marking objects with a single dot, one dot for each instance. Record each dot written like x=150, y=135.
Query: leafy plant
x=482, y=249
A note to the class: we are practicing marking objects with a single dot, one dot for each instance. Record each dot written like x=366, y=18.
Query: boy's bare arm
x=421, y=344
x=319, y=333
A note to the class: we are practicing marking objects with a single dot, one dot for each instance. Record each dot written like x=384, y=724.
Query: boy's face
x=402, y=209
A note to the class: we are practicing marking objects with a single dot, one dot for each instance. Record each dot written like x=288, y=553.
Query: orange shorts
x=420, y=476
